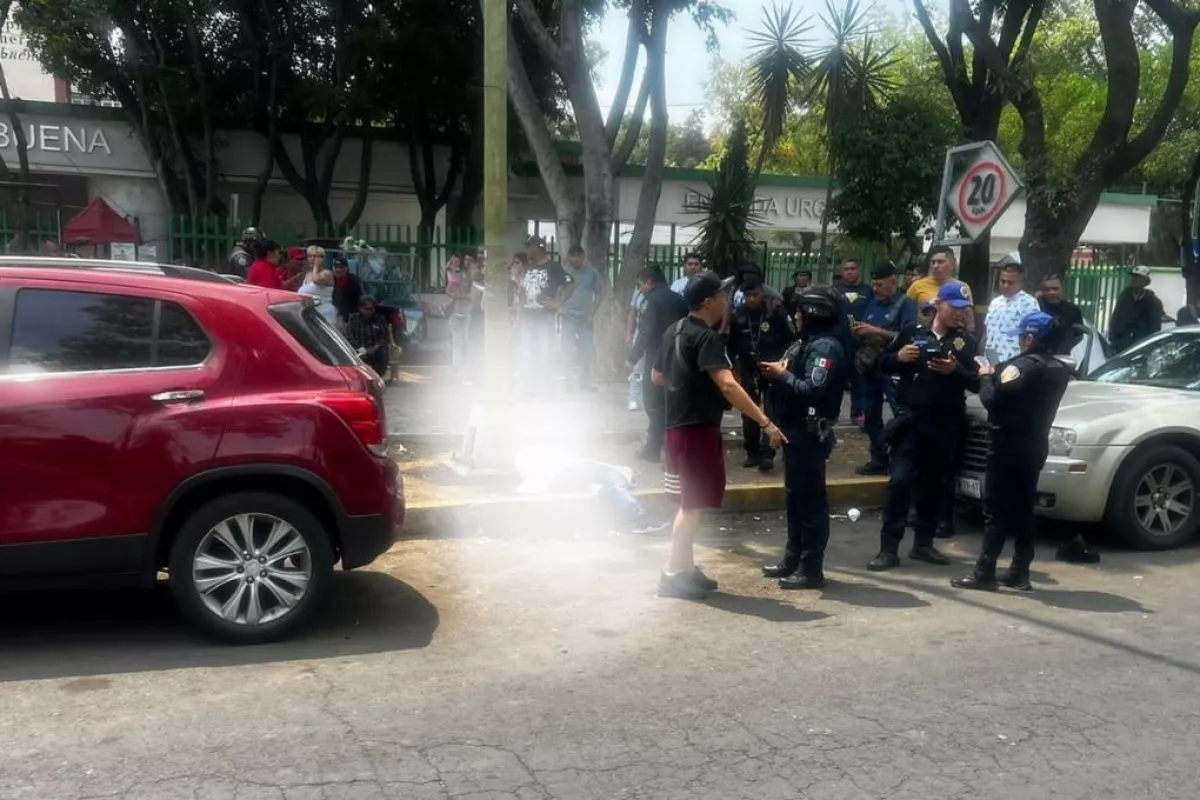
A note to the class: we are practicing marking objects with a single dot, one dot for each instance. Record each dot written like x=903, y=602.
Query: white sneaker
x=633, y=406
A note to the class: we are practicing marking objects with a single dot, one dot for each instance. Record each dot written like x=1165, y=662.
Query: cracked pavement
x=540, y=667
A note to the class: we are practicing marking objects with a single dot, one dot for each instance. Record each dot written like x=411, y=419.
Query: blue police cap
x=954, y=294
x=1037, y=323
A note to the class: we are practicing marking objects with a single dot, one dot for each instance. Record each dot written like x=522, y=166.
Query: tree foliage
x=891, y=165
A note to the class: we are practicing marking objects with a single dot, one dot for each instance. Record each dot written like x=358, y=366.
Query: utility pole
x=497, y=351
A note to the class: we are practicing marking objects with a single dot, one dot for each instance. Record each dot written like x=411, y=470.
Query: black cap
x=703, y=286
x=883, y=269
x=340, y=261
x=751, y=282
x=535, y=241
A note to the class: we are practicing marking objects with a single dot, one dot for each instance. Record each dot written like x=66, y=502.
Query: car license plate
x=970, y=487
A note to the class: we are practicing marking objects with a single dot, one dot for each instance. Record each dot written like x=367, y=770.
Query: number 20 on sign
x=983, y=192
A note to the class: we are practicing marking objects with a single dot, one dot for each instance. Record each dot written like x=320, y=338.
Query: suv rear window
x=57, y=331
x=306, y=325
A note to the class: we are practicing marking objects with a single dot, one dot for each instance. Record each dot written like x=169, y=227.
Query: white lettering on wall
x=58, y=139
x=768, y=207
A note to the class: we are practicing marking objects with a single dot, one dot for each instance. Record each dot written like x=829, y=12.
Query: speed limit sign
x=983, y=192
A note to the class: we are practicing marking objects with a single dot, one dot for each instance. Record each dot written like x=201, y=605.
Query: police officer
x=760, y=331
x=806, y=397
x=1022, y=399
x=935, y=363
x=242, y=255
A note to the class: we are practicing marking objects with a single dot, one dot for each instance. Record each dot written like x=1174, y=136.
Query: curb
x=569, y=511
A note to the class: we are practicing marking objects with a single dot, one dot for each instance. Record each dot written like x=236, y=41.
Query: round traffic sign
x=981, y=193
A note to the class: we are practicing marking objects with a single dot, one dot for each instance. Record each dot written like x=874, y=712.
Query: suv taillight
x=364, y=416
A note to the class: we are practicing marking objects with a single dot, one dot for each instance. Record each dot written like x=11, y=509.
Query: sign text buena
x=57, y=139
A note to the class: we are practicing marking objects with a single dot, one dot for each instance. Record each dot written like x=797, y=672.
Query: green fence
x=42, y=225
x=207, y=242
x=1094, y=288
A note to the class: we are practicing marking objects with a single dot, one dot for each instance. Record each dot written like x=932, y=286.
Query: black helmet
x=819, y=302
x=251, y=235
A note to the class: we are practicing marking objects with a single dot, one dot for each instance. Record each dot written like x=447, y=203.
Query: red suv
x=167, y=418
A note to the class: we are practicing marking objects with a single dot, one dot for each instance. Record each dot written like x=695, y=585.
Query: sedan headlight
x=1061, y=441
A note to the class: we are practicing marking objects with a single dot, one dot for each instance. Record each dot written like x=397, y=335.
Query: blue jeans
x=876, y=389
x=635, y=382
x=579, y=335
x=537, y=347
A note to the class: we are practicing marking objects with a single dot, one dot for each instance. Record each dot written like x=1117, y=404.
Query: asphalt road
x=541, y=666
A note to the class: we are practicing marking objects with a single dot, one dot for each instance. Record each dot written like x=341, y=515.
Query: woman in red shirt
x=264, y=271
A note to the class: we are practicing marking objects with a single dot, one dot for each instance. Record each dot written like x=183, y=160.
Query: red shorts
x=694, y=466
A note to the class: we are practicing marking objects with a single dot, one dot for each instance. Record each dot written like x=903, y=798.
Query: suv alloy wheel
x=251, y=567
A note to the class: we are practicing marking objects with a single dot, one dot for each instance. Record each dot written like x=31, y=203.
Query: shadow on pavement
x=765, y=608
x=1088, y=600
x=866, y=596
x=58, y=635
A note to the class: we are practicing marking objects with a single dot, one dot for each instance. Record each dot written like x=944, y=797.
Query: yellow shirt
x=925, y=290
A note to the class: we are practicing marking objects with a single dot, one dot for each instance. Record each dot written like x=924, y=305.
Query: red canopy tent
x=98, y=224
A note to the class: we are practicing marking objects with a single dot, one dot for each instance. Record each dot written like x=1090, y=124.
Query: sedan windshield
x=1171, y=361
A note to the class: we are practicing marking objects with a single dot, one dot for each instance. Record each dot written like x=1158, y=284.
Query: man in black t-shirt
x=542, y=290
x=698, y=382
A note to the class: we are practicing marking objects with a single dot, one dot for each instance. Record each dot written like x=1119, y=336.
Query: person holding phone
x=935, y=364
x=1021, y=396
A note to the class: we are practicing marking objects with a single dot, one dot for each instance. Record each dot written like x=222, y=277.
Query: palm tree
x=778, y=67
x=848, y=77
x=844, y=78
x=723, y=241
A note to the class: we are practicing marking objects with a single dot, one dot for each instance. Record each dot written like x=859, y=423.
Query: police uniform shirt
x=239, y=261
x=922, y=388
x=814, y=377
x=760, y=335
x=1022, y=397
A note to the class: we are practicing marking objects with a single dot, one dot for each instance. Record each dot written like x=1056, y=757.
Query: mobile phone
x=983, y=362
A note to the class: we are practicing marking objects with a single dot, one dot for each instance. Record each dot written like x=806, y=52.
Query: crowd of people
x=786, y=361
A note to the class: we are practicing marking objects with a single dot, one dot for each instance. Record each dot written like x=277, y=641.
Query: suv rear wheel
x=1155, y=500
x=251, y=567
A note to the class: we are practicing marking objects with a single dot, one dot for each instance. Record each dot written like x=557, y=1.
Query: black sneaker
x=884, y=561
x=681, y=585
x=1016, y=579
x=751, y=462
x=976, y=580
x=1076, y=551
x=766, y=465
x=783, y=569
x=800, y=582
x=930, y=555
x=944, y=532
x=703, y=581
x=871, y=468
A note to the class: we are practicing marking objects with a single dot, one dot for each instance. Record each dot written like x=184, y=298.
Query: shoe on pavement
x=884, y=561
x=703, y=581
x=860, y=420
x=871, y=468
x=1016, y=579
x=976, y=580
x=633, y=406
x=766, y=465
x=751, y=462
x=944, y=532
x=930, y=555
x=1076, y=551
x=680, y=585
x=800, y=582
x=783, y=569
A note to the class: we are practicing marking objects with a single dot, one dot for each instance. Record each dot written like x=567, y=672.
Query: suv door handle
x=185, y=396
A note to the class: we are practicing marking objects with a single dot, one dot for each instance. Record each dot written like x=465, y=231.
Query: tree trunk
x=1043, y=254
x=21, y=241
x=364, y=177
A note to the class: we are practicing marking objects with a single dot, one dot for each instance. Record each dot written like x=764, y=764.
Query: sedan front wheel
x=1155, y=500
